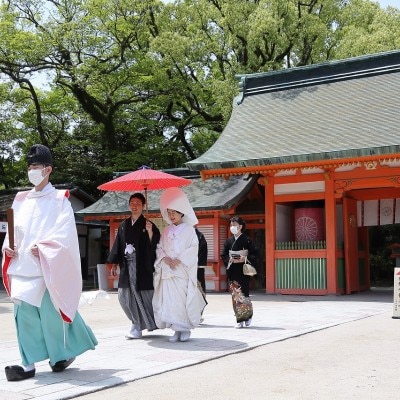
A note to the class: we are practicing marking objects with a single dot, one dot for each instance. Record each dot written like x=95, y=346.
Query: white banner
x=371, y=212
x=397, y=211
x=396, y=293
x=360, y=219
x=378, y=212
x=386, y=211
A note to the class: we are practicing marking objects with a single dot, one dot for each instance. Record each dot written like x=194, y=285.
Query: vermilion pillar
x=270, y=234
x=331, y=237
x=350, y=236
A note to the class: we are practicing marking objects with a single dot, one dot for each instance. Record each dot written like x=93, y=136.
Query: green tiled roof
x=334, y=110
x=212, y=194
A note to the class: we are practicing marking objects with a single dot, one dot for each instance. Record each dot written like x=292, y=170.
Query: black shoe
x=17, y=373
x=61, y=365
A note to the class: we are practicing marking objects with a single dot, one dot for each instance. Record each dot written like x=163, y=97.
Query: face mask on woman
x=35, y=176
x=234, y=229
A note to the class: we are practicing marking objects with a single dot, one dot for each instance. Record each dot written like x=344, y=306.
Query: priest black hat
x=39, y=154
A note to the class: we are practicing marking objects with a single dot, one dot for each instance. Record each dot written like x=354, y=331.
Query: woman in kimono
x=177, y=301
x=239, y=249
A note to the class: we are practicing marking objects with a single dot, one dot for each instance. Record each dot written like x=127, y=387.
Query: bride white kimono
x=177, y=301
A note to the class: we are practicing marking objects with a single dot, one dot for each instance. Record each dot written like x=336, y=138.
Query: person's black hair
x=239, y=220
x=138, y=196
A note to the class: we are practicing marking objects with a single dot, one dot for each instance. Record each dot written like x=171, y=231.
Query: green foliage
x=132, y=82
x=381, y=262
x=367, y=29
x=203, y=140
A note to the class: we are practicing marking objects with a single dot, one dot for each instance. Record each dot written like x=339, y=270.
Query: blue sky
x=385, y=3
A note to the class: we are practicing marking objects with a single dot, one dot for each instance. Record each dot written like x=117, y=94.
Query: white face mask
x=234, y=229
x=35, y=176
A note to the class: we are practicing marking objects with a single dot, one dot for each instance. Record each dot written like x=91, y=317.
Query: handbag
x=248, y=269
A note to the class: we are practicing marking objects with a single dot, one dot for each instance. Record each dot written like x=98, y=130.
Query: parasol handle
x=147, y=204
x=10, y=221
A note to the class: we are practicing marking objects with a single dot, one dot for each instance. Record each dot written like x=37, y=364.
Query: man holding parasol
x=134, y=250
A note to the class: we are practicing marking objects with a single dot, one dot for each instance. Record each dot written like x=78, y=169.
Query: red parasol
x=144, y=178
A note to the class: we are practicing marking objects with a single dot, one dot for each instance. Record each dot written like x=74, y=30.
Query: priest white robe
x=45, y=218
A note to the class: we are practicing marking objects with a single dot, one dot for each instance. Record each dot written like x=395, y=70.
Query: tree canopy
x=110, y=85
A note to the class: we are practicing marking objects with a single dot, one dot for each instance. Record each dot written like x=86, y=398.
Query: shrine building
x=323, y=142
x=310, y=159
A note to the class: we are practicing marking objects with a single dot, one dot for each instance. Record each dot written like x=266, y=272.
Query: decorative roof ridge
x=327, y=72
x=324, y=164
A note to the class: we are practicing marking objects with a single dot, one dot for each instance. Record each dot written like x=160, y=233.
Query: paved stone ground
x=117, y=361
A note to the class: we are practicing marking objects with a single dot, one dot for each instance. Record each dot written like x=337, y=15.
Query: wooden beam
x=374, y=193
x=369, y=162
